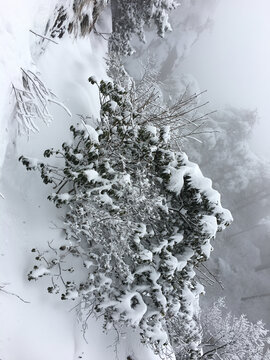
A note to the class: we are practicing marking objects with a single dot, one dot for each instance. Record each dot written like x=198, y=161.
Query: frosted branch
x=32, y=102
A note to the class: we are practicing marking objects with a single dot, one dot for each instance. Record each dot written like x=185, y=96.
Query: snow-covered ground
x=45, y=327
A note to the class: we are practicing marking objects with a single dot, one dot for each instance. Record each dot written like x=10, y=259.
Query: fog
x=232, y=61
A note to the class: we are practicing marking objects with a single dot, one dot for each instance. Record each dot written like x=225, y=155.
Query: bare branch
x=43, y=37
x=13, y=294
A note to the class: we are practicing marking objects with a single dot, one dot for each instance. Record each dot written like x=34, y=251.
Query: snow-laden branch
x=32, y=102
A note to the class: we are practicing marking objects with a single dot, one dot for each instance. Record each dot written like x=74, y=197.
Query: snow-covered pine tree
x=130, y=17
x=139, y=215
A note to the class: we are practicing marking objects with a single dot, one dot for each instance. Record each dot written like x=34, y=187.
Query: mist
x=231, y=61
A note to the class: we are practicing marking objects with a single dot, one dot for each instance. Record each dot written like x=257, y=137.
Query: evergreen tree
x=130, y=17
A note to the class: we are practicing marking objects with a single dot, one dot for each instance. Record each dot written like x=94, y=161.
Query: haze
x=232, y=61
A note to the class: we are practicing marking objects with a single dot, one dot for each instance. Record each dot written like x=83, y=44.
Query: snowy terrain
x=42, y=325
x=45, y=326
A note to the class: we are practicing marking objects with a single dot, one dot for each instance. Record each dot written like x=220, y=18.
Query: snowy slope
x=45, y=327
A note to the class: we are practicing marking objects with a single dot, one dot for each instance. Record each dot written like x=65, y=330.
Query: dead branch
x=2, y=288
x=255, y=296
x=43, y=37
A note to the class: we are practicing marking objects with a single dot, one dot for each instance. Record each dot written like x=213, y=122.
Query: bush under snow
x=139, y=216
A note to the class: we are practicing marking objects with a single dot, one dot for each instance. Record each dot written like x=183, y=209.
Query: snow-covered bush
x=139, y=216
x=229, y=337
x=183, y=114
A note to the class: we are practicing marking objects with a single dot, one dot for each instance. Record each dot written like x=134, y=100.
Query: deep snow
x=45, y=327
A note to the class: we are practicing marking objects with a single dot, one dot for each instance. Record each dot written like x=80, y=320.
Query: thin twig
x=13, y=294
x=43, y=37
x=254, y=297
x=214, y=276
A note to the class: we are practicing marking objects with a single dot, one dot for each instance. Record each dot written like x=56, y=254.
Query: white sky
x=233, y=61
